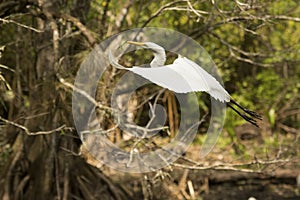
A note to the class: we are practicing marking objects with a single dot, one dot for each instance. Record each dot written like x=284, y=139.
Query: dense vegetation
x=255, y=45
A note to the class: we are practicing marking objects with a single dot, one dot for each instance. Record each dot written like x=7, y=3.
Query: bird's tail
x=247, y=114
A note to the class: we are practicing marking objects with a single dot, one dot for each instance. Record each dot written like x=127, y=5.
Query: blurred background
x=255, y=46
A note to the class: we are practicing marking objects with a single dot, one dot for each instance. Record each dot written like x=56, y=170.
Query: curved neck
x=159, y=59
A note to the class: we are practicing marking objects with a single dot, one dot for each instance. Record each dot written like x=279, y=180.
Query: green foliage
x=268, y=86
x=281, y=7
x=265, y=92
x=272, y=116
x=232, y=34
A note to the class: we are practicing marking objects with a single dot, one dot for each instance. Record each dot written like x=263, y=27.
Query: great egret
x=184, y=76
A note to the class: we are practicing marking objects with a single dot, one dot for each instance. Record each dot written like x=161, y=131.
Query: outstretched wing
x=206, y=82
x=164, y=76
x=182, y=76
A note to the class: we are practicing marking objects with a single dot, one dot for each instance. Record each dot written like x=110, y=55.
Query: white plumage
x=183, y=76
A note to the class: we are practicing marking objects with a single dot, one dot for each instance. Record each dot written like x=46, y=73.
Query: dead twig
x=159, y=11
x=85, y=31
x=233, y=167
x=66, y=182
x=21, y=25
x=86, y=95
x=6, y=67
x=28, y=132
x=247, y=60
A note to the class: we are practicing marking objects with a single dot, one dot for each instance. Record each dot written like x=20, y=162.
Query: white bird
x=183, y=76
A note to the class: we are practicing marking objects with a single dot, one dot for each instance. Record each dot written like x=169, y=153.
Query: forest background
x=255, y=46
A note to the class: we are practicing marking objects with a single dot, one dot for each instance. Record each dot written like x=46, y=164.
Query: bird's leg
x=249, y=115
x=246, y=117
x=249, y=112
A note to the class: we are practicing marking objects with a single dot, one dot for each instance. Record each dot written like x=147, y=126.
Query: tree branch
x=21, y=25
x=28, y=132
x=85, y=31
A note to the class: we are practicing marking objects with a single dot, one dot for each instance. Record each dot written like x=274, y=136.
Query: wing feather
x=182, y=76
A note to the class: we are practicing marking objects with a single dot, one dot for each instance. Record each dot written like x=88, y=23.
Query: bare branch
x=26, y=130
x=247, y=60
x=288, y=128
x=261, y=18
x=238, y=49
x=5, y=82
x=83, y=93
x=8, y=68
x=233, y=167
x=282, y=17
x=102, y=132
x=85, y=31
x=21, y=25
x=159, y=11
x=197, y=12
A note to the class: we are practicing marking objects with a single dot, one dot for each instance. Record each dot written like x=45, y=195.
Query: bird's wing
x=201, y=79
x=164, y=76
x=184, y=76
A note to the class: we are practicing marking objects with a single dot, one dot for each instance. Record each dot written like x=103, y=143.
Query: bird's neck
x=159, y=59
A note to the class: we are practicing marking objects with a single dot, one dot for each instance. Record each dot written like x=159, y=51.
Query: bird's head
x=158, y=51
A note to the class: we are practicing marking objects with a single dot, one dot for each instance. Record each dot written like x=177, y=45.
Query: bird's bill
x=136, y=43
